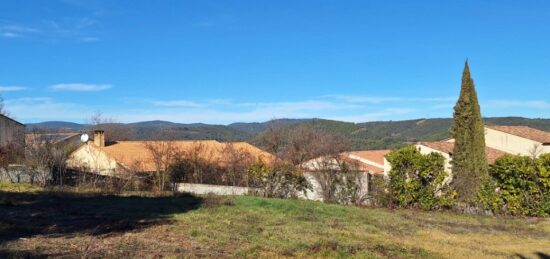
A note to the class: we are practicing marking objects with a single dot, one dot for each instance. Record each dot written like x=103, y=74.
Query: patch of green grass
x=240, y=226
x=299, y=228
x=19, y=187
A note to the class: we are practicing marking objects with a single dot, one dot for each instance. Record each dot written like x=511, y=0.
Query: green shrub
x=416, y=180
x=520, y=185
x=277, y=181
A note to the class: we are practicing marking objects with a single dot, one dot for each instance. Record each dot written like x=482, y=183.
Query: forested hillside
x=368, y=135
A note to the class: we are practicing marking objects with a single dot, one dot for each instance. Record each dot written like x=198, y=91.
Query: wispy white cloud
x=443, y=106
x=227, y=111
x=69, y=28
x=307, y=105
x=16, y=31
x=80, y=87
x=90, y=39
x=12, y=88
x=362, y=99
x=35, y=109
x=383, y=114
x=386, y=99
x=177, y=103
x=533, y=104
x=433, y=99
x=10, y=35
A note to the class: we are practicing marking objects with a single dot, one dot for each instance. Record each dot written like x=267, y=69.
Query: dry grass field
x=35, y=223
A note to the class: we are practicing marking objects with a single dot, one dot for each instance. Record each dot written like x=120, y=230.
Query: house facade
x=11, y=132
x=136, y=157
x=518, y=140
x=445, y=148
x=365, y=164
x=499, y=140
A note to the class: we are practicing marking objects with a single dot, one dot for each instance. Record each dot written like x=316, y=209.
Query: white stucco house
x=518, y=140
x=122, y=157
x=367, y=163
x=499, y=140
x=445, y=148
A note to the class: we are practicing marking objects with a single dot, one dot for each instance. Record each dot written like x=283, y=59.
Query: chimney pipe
x=99, y=138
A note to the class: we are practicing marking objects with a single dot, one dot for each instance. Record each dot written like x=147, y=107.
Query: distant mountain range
x=368, y=135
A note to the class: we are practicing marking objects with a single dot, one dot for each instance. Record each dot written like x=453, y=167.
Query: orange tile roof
x=135, y=154
x=447, y=147
x=376, y=156
x=371, y=168
x=525, y=132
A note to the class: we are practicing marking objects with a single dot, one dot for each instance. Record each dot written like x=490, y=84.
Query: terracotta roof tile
x=525, y=132
x=447, y=147
x=376, y=156
x=136, y=154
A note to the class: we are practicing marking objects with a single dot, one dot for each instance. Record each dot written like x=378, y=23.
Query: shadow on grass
x=25, y=215
x=540, y=255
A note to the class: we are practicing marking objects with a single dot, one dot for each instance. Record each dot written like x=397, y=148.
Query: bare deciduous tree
x=339, y=179
x=305, y=143
x=199, y=158
x=114, y=130
x=3, y=111
x=235, y=162
x=162, y=153
x=273, y=139
x=45, y=159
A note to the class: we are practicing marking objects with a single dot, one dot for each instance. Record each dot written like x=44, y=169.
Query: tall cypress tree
x=469, y=163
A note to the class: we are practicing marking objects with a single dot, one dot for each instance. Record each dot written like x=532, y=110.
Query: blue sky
x=228, y=61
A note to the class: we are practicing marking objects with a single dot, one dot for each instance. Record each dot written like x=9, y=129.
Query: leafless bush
x=162, y=154
x=45, y=160
x=302, y=143
x=279, y=180
x=273, y=140
x=235, y=162
x=340, y=180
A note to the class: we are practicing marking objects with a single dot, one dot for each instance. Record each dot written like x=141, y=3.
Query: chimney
x=99, y=138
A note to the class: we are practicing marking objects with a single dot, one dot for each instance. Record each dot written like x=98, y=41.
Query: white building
x=135, y=157
x=518, y=140
x=367, y=163
x=445, y=148
x=499, y=140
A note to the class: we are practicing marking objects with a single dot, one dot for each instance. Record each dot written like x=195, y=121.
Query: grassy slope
x=256, y=227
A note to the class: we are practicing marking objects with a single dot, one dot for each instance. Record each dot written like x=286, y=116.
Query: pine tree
x=468, y=161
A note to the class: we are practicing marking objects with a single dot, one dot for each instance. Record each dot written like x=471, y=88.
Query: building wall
x=512, y=144
x=448, y=167
x=387, y=168
x=11, y=132
x=316, y=192
x=91, y=159
x=214, y=189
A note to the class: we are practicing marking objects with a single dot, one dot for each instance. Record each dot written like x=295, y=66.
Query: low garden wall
x=214, y=189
